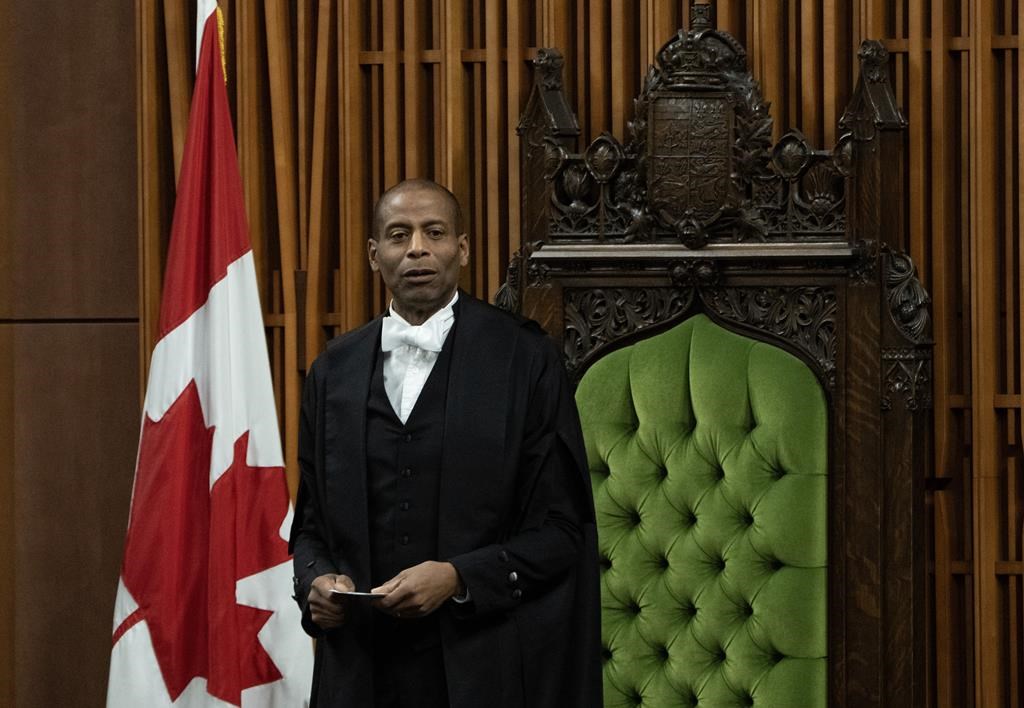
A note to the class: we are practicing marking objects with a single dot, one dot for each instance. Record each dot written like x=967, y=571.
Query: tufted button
x=746, y=518
x=774, y=564
x=516, y=594
x=663, y=653
x=720, y=656
x=776, y=656
x=634, y=518
x=663, y=563
x=720, y=564
x=719, y=474
x=747, y=700
x=778, y=473
x=746, y=609
x=634, y=607
x=663, y=472
x=606, y=654
x=605, y=563
x=513, y=578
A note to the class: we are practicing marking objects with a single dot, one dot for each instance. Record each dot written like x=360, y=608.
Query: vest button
x=407, y=472
x=516, y=594
x=405, y=540
x=408, y=437
x=404, y=506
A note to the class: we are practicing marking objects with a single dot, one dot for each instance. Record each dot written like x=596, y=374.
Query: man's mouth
x=418, y=275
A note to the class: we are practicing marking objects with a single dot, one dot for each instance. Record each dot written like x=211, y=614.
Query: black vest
x=403, y=470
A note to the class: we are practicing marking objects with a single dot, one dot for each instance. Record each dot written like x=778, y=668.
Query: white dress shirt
x=406, y=365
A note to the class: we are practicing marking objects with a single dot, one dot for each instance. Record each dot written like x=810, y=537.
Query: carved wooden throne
x=699, y=213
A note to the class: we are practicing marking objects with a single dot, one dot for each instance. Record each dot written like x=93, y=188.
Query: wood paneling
x=69, y=336
x=338, y=99
x=71, y=506
x=68, y=224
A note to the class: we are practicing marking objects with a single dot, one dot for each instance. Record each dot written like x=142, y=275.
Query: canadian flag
x=203, y=615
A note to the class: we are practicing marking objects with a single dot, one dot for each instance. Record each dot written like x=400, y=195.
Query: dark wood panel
x=70, y=102
x=7, y=603
x=75, y=434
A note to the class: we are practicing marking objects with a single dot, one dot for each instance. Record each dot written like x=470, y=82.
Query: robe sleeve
x=553, y=502
x=307, y=542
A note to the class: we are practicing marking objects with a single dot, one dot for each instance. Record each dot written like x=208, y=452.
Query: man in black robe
x=442, y=468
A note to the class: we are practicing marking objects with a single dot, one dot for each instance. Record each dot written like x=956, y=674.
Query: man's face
x=418, y=252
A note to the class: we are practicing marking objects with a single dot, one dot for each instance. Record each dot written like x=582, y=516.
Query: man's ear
x=463, y=249
x=371, y=253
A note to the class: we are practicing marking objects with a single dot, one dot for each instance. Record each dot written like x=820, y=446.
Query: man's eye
x=436, y=233
x=397, y=235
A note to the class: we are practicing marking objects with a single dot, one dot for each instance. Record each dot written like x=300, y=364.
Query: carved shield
x=690, y=157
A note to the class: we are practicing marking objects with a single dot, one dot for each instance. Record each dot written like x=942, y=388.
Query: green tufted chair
x=707, y=452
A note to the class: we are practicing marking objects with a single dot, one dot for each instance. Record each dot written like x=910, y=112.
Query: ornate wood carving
x=908, y=378
x=908, y=300
x=595, y=317
x=803, y=316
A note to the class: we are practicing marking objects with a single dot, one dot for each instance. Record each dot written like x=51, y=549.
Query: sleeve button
x=516, y=594
x=503, y=556
x=513, y=577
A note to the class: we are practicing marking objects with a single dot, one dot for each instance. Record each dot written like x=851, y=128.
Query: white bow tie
x=428, y=336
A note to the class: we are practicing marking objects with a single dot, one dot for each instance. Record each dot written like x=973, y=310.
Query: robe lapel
x=348, y=388
x=475, y=417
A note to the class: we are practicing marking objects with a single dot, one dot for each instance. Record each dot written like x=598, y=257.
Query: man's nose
x=417, y=243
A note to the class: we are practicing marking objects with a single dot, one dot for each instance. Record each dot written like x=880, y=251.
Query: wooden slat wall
x=338, y=99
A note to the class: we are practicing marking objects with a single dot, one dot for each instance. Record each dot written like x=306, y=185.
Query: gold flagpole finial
x=220, y=38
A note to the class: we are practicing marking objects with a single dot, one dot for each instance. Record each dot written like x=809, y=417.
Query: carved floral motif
x=908, y=377
x=596, y=317
x=908, y=300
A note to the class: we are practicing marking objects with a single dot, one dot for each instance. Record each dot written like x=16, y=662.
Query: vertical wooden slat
x=495, y=169
x=305, y=53
x=317, y=228
x=455, y=170
x=353, y=170
x=985, y=321
x=944, y=325
x=622, y=71
x=810, y=70
x=518, y=90
x=415, y=133
x=181, y=72
x=280, y=65
x=918, y=117
x=392, y=119
x=597, y=69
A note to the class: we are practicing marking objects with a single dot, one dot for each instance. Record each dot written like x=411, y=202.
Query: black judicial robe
x=531, y=634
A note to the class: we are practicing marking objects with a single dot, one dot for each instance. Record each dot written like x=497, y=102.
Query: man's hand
x=326, y=608
x=418, y=591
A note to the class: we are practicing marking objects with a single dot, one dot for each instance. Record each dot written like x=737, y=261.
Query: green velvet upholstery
x=707, y=452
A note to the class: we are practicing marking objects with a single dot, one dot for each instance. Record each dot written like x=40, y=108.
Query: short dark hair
x=413, y=184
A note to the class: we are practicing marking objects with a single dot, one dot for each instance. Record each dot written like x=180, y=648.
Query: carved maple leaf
x=187, y=546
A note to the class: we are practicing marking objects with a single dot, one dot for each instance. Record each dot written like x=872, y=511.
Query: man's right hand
x=327, y=609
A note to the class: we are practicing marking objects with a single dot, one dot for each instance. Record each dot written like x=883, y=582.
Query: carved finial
x=874, y=60
x=700, y=17
x=549, y=63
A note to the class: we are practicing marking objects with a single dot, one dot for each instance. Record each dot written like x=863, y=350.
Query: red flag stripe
x=209, y=228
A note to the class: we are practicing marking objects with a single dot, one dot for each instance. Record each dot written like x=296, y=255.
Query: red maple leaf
x=188, y=544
